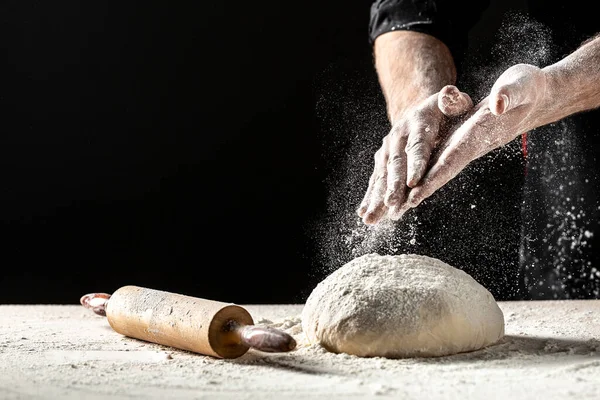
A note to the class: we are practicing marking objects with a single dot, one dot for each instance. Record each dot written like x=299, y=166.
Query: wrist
x=555, y=96
x=411, y=66
x=572, y=83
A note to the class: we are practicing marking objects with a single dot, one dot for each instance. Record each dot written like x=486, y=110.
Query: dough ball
x=401, y=306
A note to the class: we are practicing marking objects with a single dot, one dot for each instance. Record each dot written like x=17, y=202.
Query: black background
x=185, y=146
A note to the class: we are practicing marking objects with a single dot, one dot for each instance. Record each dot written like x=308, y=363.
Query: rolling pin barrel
x=188, y=323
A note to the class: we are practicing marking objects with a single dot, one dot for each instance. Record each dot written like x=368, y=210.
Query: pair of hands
x=435, y=140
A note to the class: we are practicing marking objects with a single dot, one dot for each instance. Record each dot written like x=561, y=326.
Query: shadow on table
x=531, y=348
x=512, y=349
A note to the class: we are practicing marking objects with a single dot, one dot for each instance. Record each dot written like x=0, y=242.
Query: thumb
x=517, y=86
x=452, y=102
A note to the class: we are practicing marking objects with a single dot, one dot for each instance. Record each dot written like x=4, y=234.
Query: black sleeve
x=447, y=20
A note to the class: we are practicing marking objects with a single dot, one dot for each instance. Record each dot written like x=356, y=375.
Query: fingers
x=452, y=102
x=396, y=171
x=404, y=157
x=471, y=140
x=364, y=205
x=452, y=160
x=396, y=212
x=422, y=132
x=387, y=188
x=406, y=152
x=377, y=208
x=518, y=85
x=419, y=147
x=372, y=207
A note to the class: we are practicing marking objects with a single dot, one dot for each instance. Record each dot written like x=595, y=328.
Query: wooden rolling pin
x=208, y=327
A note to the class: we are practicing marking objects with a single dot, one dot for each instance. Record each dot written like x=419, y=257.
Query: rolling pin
x=208, y=327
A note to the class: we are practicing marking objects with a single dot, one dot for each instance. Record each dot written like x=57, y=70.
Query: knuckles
x=394, y=160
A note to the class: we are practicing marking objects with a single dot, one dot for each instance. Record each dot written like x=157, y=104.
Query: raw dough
x=401, y=306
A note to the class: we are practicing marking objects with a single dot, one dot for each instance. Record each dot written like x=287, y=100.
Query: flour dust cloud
x=481, y=218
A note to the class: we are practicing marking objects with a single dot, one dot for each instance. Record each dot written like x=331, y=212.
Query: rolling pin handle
x=95, y=302
x=263, y=338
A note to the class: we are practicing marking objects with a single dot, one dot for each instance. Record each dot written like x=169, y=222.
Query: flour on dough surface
x=401, y=306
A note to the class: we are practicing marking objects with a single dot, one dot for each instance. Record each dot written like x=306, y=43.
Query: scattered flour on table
x=68, y=353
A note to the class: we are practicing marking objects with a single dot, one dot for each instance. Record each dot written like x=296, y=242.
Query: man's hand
x=517, y=103
x=523, y=98
x=403, y=158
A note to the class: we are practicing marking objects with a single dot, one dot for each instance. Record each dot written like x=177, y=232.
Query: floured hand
x=514, y=106
x=403, y=158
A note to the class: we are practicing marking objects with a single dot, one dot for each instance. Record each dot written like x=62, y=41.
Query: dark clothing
x=451, y=21
x=443, y=19
x=524, y=219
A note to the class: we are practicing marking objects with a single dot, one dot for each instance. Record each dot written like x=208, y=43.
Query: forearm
x=573, y=84
x=411, y=66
